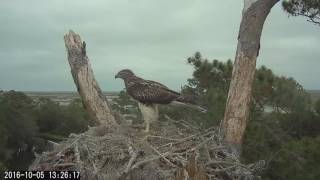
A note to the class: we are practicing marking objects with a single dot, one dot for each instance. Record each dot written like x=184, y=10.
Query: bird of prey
x=149, y=94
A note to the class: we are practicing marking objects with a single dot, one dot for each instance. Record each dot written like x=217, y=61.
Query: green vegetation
x=210, y=84
x=26, y=124
x=306, y=8
x=284, y=127
x=317, y=107
x=57, y=120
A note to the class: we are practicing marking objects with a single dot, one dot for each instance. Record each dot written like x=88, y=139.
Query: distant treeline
x=25, y=125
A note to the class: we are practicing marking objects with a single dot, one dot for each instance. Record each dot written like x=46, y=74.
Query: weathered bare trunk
x=239, y=96
x=92, y=98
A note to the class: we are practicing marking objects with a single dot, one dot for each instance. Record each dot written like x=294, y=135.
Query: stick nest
x=172, y=150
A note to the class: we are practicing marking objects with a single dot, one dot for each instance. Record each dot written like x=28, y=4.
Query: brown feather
x=149, y=92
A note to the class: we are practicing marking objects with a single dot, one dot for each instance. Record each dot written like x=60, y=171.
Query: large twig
x=95, y=169
x=133, y=155
x=140, y=163
x=162, y=156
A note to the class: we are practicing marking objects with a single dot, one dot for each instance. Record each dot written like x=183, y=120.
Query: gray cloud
x=154, y=38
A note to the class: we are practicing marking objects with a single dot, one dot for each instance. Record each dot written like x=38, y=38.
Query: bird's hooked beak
x=116, y=76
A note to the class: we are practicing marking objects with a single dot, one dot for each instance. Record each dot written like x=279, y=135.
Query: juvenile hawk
x=148, y=94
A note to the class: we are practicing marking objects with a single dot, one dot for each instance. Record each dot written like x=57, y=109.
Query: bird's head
x=123, y=74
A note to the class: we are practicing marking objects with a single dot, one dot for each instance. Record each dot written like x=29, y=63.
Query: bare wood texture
x=239, y=96
x=92, y=97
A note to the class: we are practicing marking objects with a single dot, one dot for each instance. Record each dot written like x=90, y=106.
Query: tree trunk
x=239, y=96
x=92, y=97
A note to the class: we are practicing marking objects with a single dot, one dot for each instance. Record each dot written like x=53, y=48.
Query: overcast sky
x=151, y=37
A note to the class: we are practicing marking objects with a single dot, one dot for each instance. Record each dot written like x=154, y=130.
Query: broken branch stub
x=92, y=97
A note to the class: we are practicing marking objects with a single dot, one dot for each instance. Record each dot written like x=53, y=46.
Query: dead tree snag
x=92, y=97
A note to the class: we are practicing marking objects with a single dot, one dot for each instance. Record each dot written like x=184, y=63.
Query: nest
x=173, y=150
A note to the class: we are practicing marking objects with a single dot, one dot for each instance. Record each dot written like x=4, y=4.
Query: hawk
x=149, y=94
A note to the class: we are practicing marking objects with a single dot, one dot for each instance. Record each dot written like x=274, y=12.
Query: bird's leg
x=156, y=112
x=150, y=114
x=147, y=123
x=145, y=115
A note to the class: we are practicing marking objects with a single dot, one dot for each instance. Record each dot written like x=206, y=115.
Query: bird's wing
x=149, y=92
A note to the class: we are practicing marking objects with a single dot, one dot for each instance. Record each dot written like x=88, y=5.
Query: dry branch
x=92, y=97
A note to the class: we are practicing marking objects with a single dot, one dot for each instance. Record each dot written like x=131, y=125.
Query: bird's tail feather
x=191, y=105
x=186, y=99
